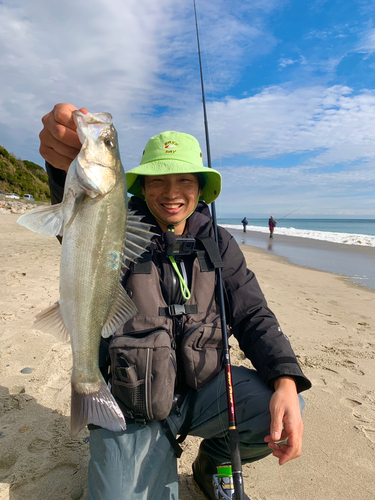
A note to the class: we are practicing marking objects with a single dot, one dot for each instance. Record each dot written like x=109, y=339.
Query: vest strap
x=204, y=261
x=212, y=250
x=178, y=309
x=144, y=264
x=185, y=428
x=172, y=440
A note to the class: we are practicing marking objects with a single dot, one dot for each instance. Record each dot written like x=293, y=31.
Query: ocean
x=340, y=246
x=346, y=231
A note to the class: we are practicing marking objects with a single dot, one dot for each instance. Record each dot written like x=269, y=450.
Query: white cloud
x=367, y=44
x=287, y=61
x=121, y=57
x=262, y=189
x=278, y=121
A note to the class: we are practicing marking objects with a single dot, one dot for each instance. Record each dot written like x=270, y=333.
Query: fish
x=99, y=237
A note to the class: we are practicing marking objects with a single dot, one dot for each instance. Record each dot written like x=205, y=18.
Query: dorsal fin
x=137, y=239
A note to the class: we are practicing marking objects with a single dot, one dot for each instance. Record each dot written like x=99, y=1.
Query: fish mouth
x=96, y=179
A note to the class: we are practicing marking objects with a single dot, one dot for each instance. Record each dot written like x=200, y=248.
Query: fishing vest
x=144, y=352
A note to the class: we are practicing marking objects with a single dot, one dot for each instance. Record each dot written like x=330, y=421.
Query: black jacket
x=250, y=320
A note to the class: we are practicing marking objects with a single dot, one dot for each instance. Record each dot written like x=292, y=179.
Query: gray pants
x=140, y=463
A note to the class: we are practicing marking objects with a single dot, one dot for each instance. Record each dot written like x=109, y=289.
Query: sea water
x=346, y=231
x=341, y=246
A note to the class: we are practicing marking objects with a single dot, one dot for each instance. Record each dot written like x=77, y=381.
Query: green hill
x=22, y=176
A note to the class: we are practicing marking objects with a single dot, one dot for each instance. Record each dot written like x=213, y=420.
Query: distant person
x=271, y=224
x=244, y=223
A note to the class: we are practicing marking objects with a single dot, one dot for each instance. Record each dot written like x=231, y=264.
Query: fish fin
x=50, y=321
x=98, y=408
x=122, y=310
x=137, y=239
x=44, y=220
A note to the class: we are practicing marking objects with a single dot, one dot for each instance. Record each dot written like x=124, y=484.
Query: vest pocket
x=143, y=367
x=202, y=354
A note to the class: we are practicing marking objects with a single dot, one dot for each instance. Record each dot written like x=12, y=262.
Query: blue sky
x=289, y=90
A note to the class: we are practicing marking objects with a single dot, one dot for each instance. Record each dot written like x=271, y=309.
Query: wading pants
x=140, y=463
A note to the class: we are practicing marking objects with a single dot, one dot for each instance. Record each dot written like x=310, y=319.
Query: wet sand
x=355, y=262
x=329, y=320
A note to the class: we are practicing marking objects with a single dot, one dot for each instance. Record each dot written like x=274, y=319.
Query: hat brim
x=211, y=189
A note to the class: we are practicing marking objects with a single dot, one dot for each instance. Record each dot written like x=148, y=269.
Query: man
x=271, y=224
x=175, y=294
x=244, y=223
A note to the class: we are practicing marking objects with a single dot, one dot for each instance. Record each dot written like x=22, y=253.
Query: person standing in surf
x=244, y=223
x=271, y=224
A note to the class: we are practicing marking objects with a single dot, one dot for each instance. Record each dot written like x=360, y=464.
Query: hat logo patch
x=170, y=146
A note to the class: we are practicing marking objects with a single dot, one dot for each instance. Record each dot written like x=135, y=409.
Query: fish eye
x=110, y=143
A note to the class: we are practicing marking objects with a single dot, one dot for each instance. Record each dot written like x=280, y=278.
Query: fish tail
x=98, y=408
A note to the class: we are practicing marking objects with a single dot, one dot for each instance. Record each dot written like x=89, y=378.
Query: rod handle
x=234, y=443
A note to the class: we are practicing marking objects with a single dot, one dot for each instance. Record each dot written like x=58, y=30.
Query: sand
x=329, y=321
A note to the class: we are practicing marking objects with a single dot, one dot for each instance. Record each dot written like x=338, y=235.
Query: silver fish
x=99, y=236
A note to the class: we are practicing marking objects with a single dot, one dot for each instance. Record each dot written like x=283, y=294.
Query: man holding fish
x=161, y=349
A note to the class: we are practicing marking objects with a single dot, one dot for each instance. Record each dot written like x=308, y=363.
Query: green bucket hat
x=174, y=153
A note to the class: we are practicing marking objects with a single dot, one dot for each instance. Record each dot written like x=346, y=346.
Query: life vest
x=195, y=325
x=166, y=345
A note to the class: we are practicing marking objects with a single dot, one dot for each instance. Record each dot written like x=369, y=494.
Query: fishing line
x=292, y=212
x=211, y=87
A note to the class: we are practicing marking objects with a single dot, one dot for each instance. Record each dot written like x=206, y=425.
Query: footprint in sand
x=59, y=482
x=7, y=463
x=360, y=413
x=4, y=317
x=352, y=403
x=369, y=432
x=38, y=445
x=315, y=310
x=348, y=363
x=333, y=302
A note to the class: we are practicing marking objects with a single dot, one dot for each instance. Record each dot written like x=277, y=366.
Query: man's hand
x=284, y=408
x=59, y=142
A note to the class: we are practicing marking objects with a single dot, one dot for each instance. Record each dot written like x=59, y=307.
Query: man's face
x=171, y=198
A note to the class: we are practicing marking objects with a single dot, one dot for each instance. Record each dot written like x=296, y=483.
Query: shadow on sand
x=38, y=458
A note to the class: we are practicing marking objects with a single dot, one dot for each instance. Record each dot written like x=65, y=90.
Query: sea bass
x=99, y=236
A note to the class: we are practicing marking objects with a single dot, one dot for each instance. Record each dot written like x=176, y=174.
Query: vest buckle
x=176, y=309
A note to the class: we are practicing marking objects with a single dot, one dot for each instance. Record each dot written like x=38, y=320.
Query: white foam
x=344, y=238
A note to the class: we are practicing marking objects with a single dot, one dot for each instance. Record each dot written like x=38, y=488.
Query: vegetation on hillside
x=20, y=177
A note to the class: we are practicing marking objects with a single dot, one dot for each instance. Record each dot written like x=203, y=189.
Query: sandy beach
x=330, y=323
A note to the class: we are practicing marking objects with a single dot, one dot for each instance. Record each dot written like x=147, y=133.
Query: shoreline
x=355, y=263
x=329, y=321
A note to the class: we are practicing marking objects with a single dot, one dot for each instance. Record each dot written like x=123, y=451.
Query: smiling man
x=166, y=362
x=172, y=179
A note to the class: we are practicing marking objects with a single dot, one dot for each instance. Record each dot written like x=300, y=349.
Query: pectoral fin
x=123, y=309
x=44, y=220
x=50, y=321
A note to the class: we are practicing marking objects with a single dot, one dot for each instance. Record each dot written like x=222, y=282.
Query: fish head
x=98, y=163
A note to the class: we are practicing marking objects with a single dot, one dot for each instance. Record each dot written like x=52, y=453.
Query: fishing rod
x=292, y=212
x=234, y=440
